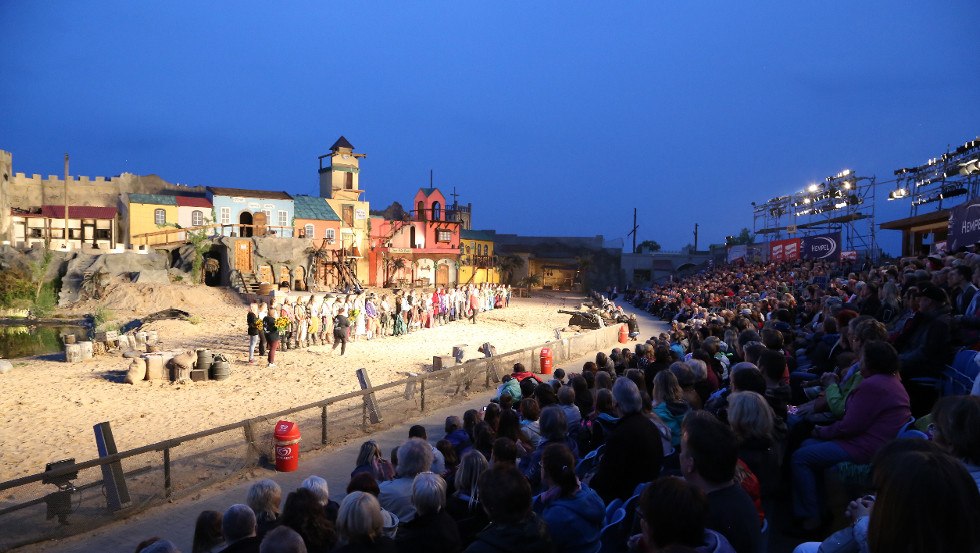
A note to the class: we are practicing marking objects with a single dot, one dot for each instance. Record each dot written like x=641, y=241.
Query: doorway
x=245, y=222
x=442, y=275
x=243, y=256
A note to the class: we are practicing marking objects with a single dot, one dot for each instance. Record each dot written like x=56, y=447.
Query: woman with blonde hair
x=372, y=461
x=359, y=523
x=669, y=403
x=464, y=504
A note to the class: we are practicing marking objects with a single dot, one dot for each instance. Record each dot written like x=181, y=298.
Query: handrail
x=167, y=231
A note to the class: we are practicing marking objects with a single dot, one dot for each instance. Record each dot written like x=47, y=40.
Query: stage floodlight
x=813, y=188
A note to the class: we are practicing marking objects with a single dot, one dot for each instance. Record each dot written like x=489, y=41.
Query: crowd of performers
x=290, y=322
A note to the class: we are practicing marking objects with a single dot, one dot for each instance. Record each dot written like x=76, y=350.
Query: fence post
x=168, y=492
x=323, y=424
x=370, y=403
x=422, y=392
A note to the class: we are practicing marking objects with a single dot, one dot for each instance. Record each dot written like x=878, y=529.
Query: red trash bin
x=624, y=335
x=546, y=360
x=286, y=443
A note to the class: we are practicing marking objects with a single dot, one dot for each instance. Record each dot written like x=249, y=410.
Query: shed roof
x=153, y=199
x=263, y=194
x=428, y=191
x=79, y=212
x=314, y=207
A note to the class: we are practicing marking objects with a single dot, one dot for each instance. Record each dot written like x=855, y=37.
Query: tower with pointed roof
x=340, y=179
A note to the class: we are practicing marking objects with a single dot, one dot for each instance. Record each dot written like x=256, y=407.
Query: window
x=468, y=249
x=35, y=232
x=436, y=211
x=283, y=218
x=349, y=181
x=103, y=234
x=197, y=218
x=443, y=236
x=225, y=215
x=310, y=232
x=486, y=249
x=268, y=216
x=159, y=217
x=420, y=212
x=348, y=215
x=331, y=235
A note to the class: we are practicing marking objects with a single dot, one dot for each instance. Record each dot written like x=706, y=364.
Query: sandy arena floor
x=50, y=407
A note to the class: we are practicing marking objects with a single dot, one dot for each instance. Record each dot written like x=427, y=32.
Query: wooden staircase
x=248, y=283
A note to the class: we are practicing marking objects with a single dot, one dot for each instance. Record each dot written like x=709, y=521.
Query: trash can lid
x=286, y=430
x=545, y=351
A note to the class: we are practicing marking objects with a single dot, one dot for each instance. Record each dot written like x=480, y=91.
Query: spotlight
x=971, y=167
x=813, y=188
x=898, y=193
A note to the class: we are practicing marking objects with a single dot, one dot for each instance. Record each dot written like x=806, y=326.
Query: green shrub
x=195, y=319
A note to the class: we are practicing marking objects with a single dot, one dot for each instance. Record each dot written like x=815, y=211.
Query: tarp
x=823, y=246
x=964, y=225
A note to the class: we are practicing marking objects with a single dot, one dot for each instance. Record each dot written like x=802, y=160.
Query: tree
x=650, y=245
x=744, y=237
x=507, y=264
x=529, y=281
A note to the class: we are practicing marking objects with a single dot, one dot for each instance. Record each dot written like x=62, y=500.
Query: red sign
x=784, y=250
x=849, y=255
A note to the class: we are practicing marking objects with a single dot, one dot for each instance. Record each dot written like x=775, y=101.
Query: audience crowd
x=803, y=399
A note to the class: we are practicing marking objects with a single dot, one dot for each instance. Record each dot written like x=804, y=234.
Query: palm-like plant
x=507, y=264
x=93, y=284
x=530, y=281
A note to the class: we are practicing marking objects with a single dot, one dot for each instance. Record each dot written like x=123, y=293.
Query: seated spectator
x=264, y=498
x=464, y=505
x=530, y=411
x=583, y=393
x=505, y=453
x=359, y=525
x=372, y=461
x=566, y=400
x=709, y=454
x=207, y=533
x=238, y=527
x=633, y=452
x=753, y=422
x=553, y=430
x=686, y=379
x=452, y=461
x=506, y=496
x=457, y=435
x=304, y=513
x=282, y=540
x=414, y=456
x=321, y=491
x=438, y=461
x=926, y=502
x=432, y=529
x=366, y=483
x=673, y=515
x=956, y=428
x=510, y=386
x=574, y=513
x=668, y=404
x=483, y=437
x=598, y=426
x=510, y=427
x=878, y=408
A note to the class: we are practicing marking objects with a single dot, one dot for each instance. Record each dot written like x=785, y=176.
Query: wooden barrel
x=204, y=359
x=220, y=370
x=69, y=338
x=73, y=353
x=88, y=351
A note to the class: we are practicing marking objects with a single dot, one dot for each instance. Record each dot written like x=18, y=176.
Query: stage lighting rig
x=949, y=175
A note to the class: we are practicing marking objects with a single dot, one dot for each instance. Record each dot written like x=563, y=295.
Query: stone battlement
x=21, y=179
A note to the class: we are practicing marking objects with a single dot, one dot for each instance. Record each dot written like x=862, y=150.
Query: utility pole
x=633, y=231
x=695, y=237
x=66, y=202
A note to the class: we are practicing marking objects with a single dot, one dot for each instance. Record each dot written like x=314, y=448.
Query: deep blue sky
x=551, y=117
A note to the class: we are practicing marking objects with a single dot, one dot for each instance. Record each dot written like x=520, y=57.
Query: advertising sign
x=737, y=252
x=784, y=250
x=824, y=246
x=964, y=226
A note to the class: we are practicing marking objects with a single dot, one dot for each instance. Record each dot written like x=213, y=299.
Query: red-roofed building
x=193, y=211
x=89, y=226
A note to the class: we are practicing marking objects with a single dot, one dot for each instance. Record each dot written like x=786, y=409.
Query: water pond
x=18, y=339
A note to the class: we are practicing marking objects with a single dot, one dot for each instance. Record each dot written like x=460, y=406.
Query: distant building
x=317, y=222
x=340, y=185
x=563, y=262
x=88, y=227
x=247, y=213
x=478, y=260
x=421, y=249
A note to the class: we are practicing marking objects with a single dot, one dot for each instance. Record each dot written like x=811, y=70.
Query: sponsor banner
x=824, y=246
x=784, y=250
x=964, y=226
x=737, y=252
x=849, y=255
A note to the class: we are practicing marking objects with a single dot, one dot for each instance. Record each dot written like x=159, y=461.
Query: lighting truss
x=844, y=202
x=950, y=175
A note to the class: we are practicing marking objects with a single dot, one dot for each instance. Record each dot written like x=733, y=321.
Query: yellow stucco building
x=477, y=263
x=340, y=185
x=147, y=213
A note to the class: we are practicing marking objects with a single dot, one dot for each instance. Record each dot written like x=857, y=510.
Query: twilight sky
x=550, y=117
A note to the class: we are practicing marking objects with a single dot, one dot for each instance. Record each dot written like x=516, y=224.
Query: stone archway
x=245, y=224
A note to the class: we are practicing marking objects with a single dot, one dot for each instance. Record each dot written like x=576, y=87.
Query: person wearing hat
x=925, y=350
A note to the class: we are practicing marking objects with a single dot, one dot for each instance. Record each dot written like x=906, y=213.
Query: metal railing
x=30, y=511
